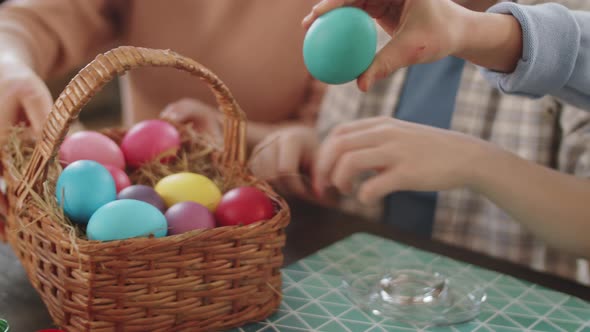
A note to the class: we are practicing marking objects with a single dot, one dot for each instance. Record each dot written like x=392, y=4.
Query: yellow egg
x=182, y=187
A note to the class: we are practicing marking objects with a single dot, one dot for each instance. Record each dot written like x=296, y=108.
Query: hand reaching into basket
x=285, y=159
x=203, y=117
x=24, y=98
x=23, y=95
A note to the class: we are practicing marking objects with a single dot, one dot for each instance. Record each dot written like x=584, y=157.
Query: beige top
x=254, y=46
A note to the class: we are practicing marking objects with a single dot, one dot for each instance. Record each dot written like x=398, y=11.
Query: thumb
x=37, y=102
x=394, y=55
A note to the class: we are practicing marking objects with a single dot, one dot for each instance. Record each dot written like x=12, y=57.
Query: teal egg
x=82, y=188
x=340, y=45
x=125, y=219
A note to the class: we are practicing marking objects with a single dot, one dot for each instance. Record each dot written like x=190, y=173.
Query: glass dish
x=412, y=293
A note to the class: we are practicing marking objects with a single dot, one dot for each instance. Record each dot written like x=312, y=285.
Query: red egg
x=149, y=140
x=121, y=179
x=90, y=145
x=243, y=206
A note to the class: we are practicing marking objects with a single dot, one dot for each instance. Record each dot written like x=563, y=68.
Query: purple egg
x=143, y=193
x=187, y=216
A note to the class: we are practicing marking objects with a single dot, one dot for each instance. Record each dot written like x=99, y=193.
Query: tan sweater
x=253, y=45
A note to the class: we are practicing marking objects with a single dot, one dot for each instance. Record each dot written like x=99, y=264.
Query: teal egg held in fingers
x=340, y=45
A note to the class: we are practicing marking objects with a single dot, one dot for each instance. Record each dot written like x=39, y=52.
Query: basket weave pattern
x=198, y=281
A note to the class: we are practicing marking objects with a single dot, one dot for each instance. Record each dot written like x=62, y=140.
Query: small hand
x=284, y=159
x=404, y=156
x=204, y=118
x=23, y=96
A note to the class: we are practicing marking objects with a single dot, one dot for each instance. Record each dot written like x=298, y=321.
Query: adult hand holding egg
x=421, y=30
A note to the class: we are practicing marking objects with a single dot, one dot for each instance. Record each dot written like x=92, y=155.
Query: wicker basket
x=198, y=281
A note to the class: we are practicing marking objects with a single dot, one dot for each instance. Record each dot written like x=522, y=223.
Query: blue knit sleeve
x=556, y=54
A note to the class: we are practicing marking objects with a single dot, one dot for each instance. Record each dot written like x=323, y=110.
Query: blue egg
x=82, y=188
x=125, y=219
x=340, y=45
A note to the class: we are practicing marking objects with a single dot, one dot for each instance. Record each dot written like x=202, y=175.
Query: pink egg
x=187, y=216
x=121, y=179
x=90, y=145
x=148, y=140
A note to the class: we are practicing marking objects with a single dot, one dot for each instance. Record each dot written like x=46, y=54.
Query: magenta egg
x=121, y=179
x=187, y=216
x=149, y=140
x=90, y=145
x=143, y=193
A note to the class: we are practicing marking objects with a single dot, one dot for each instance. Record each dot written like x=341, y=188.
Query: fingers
x=322, y=8
x=290, y=158
x=380, y=185
x=186, y=110
x=37, y=102
x=375, y=8
x=352, y=164
x=263, y=159
x=354, y=136
x=279, y=159
x=381, y=8
x=358, y=125
x=24, y=99
x=203, y=117
x=181, y=111
x=9, y=115
x=394, y=55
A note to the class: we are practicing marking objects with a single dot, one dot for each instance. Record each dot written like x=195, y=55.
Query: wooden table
x=311, y=229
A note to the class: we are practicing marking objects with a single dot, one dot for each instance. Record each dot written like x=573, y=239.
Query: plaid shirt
x=543, y=131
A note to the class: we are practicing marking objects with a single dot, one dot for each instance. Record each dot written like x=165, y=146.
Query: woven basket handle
x=101, y=71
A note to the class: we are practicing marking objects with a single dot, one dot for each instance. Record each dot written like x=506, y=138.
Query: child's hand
x=421, y=30
x=405, y=156
x=23, y=96
x=284, y=159
x=204, y=118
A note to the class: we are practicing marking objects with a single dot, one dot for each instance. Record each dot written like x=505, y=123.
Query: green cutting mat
x=314, y=302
